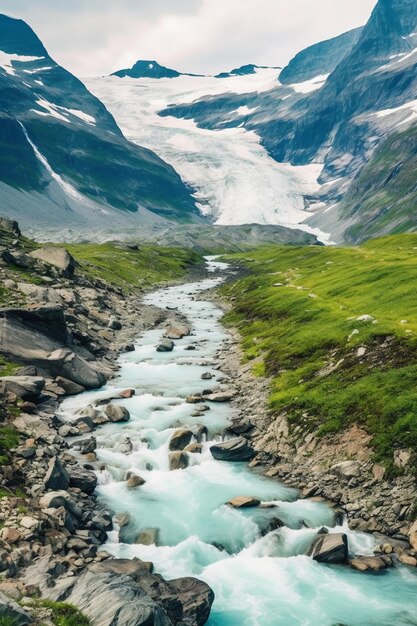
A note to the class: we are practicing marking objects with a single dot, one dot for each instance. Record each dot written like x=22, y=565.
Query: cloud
x=100, y=36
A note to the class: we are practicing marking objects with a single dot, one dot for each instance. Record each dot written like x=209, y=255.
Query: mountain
x=147, y=69
x=244, y=70
x=64, y=162
x=346, y=103
x=150, y=69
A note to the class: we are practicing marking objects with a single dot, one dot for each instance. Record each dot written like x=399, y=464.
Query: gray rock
x=117, y=413
x=329, y=548
x=70, y=388
x=196, y=598
x=111, y=600
x=82, y=479
x=41, y=295
x=57, y=257
x=24, y=387
x=10, y=226
x=19, y=259
x=85, y=446
x=11, y=613
x=347, y=469
x=166, y=345
x=233, y=450
x=57, y=477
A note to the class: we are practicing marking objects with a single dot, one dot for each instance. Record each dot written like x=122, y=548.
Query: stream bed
x=258, y=579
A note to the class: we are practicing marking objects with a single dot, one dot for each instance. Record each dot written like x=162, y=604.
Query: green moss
x=300, y=329
x=151, y=265
x=63, y=614
x=7, y=368
x=9, y=438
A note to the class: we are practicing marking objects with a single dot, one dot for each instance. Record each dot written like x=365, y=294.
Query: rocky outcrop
x=11, y=613
x=58, y=257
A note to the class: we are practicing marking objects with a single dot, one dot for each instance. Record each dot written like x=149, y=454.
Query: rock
x=329, y=548
x=82, y=479
x=244, y=502
x=176, y=332
x=111, y=600
x=19, y=259
x=127, y=393
x=129, y=567
x=30, y=523
x=70, y=388
x=24, y=387
x=413, y=535
x=148, y=537
x=347, y=469
x=194, y=448
x=10, y=535
x=115, y=324
x=10, y=226
x=196, y=598
x=11, y=613
x=178, y=460
x=166, y=345
x=57, y=476
x=371, y=563
x=233, y=450
x=40, y=295
x=85, y=446
x=135, y=481
x=378, y=472
x=117, y=413
x=220, y=396
x=126, y=446
x=206, y=376
x=407, y=559
x=180, y=439
x=57, y=257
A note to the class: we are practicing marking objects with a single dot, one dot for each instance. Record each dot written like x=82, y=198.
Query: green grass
x=150, y=265
x=9, y=438
x=7, y=368
x=62, y=614
x=302, y=327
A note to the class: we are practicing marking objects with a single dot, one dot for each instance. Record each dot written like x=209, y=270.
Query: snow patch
x=7, y=60
x=83, y=116
x=310, y=85
x=410, y=107
x=244, y=110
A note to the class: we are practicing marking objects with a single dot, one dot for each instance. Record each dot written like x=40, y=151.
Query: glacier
x=236, y=180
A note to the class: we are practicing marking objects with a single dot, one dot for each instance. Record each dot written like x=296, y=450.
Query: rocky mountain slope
x=64, y=161
x=147, y=69
x=336, y=104
x=63, y=322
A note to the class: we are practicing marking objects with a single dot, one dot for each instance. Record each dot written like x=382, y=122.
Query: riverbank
x=367, y=471
x=63, y=326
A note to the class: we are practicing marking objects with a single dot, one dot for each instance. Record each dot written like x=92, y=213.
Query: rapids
x=258, y=580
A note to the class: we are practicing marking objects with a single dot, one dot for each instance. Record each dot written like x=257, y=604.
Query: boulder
x=206, y=376
x=371, y=563
x=178, y=460
x=233, y=450
x=329, y=548
x=176, y=332
x=117, y=413
x=110, y=599
x=127, y=393
x=85, y=446
x=57, y=476
x=70, y=388
x=82, y=479
x=11, y=613
x=10, y=226
x=244, y=502
x=180, y=439
x=166, y=345
x=41, y=295
x=129, y=567
x=57, y=257
x=220, y=396
x=17, y=258
x=413, y=535
x=24, y=387
x=196, y=598
x=135, y=481
x=148, y=537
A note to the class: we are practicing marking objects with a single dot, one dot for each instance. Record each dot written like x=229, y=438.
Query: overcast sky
x=96, y=37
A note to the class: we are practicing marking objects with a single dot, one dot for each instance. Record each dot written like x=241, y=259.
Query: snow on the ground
x=310, y=85
x=237, y=182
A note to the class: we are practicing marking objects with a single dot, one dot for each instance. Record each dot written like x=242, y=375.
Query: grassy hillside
x=124, y=267
x=329, y=368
